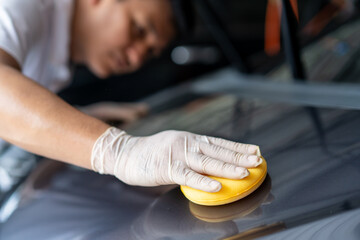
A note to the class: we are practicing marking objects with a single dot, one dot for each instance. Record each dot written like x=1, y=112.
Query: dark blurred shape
x=184, y=16
x=216, y=27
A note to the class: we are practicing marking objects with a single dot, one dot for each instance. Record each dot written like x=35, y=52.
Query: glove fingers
x=195, y=180
x=229, y=156
x=235, y=146
x=210, y=166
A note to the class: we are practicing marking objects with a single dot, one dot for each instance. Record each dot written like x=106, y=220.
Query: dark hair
x=184, y=16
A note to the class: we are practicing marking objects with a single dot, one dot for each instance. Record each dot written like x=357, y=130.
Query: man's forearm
x=40, y=122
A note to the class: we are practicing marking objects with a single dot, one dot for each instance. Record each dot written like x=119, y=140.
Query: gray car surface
x=312, y=190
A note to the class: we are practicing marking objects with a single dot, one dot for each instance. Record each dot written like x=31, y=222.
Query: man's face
x=123, y=34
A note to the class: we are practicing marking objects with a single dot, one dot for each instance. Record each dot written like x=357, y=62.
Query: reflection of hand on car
x=112, y=111
x=169, y=216
x=173, y=215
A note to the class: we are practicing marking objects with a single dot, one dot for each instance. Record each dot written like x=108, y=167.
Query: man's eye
x=140, y=30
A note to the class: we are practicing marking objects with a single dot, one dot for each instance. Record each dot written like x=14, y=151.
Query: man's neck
x=77, y=43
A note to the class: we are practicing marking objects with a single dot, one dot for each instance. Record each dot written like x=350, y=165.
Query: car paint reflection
x=311, y=180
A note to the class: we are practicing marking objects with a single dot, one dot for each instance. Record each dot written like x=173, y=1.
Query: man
x=38, y=38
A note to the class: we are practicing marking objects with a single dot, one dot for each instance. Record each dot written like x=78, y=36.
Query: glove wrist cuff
x=107, y=149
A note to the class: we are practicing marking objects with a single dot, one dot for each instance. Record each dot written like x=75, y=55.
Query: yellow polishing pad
x=232, y=190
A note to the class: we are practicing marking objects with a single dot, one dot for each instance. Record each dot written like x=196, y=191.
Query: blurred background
x=245, y=34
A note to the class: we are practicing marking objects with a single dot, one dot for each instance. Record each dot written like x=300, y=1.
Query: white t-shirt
x=37, y=34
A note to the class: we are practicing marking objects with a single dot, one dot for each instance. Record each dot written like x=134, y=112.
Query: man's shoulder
x=24, y=15
x=21, y=4
x=21, y=26
x=25, y=8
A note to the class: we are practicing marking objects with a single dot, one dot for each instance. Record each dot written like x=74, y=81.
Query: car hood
x=313, y=181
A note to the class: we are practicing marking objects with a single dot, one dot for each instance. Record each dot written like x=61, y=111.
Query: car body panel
x=313, y=174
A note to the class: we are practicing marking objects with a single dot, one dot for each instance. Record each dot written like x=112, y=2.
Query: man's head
x=117, y=36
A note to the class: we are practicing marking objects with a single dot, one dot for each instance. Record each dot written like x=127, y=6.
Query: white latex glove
x=107, y=111
x=172, y=157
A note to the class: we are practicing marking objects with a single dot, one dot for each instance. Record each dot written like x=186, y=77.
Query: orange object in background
x=323, y=18
x=312, y=28
x=273, y=25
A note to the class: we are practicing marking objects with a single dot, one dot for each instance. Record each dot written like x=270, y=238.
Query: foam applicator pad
x=231, y=191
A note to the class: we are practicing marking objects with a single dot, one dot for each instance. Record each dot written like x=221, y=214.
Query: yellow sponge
x=232, y=190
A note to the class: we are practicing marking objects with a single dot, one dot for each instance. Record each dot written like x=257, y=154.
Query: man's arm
x=39, y=121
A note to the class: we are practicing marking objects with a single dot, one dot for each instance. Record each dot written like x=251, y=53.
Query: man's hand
x=172, y=157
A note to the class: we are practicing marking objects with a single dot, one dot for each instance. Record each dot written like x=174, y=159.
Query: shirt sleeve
x=20, y=24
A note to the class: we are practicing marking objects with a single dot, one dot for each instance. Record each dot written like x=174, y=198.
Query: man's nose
x=138, y=54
